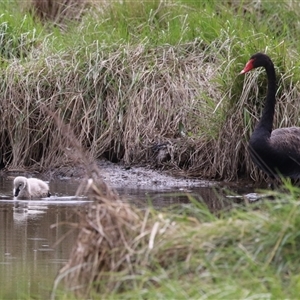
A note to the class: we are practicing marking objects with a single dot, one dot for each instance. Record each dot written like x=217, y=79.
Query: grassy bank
x=129, y=77
x=121, y=252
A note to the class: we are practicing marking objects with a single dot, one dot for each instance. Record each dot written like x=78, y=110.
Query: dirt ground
x=144, y=177
x=120, y=176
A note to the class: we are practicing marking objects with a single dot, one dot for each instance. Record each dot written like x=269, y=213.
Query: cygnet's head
x=20, y=183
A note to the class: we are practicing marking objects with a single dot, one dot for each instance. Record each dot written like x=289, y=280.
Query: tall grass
x=128, y=76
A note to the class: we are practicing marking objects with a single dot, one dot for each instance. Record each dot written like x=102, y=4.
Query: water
x=30, y=231
x=30, y=256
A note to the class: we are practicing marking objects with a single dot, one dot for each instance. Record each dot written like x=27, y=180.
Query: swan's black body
x=275, y=152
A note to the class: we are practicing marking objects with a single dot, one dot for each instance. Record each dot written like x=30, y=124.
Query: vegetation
x=128, y=77
x=131, y=76
x=250, y=252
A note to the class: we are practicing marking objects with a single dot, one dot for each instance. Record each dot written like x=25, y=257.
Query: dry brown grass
x=115, y=237
x=117, y=241
x=124, y=103
x=57, y=11
x=118, y=103
x=122, y=252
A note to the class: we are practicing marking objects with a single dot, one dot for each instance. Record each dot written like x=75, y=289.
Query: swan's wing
x=286, y=139
x=38, y=187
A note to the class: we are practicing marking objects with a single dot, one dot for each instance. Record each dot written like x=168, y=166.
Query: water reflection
x=30, y=258
x=214, y=197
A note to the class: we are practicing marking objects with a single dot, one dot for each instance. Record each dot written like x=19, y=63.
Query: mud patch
x=117, y=175
x=120, y=176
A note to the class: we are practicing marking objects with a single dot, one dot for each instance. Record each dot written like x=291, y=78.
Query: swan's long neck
x=266, y=121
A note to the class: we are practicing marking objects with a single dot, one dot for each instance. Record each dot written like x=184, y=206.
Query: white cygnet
x=30, y=188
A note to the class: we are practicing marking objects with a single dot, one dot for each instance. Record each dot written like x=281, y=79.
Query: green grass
x=244, y=254
x=250, y=252
x=19, y=34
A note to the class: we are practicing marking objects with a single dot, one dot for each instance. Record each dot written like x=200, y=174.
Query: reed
x=128, y=78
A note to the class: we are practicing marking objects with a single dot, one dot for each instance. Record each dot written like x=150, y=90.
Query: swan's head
x=20, y=183
x=255, y=61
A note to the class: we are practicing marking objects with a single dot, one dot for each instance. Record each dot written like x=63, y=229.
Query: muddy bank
x=120, y=176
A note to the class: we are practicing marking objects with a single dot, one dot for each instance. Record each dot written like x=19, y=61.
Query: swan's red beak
x=248, y=67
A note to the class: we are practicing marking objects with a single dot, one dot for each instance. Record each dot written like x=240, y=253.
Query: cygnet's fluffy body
x=30, y=188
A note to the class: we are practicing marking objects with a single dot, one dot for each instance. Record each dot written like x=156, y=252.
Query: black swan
x=275, y=152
